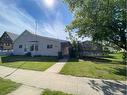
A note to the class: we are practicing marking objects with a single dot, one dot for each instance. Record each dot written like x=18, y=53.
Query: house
x=7, y=40
x=89, y=48
x=34, y=44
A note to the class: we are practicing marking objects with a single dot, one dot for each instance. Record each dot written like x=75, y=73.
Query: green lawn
x=107, y=68
x=6, y=86
x=114, y=57
x=25, y=62
x=49, y=92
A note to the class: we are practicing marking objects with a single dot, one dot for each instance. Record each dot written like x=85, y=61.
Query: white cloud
x=14, y=20
x=56, y=27
x=17, y=20
x=55, y=30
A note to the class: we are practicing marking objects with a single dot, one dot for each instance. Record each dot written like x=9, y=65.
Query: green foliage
x=103, y=20
x=74, y=43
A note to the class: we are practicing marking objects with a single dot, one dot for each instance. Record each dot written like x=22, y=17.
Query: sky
x=51, y=17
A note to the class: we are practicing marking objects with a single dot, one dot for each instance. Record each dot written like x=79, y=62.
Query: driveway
x=51, y=79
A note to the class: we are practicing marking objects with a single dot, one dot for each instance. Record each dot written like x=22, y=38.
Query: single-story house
x=7, y=40
x=34, y=44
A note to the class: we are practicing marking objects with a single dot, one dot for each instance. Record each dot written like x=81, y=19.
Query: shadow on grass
x=73, y=60
x=7, y=59
x=121, y=71
x=101, y=60
x=109, y=88
x=109, y=56
x=95, y=59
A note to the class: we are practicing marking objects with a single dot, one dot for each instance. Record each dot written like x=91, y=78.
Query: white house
x=39, y=45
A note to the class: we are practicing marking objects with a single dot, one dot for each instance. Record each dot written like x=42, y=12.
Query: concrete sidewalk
x=56, y=68
x=26, y=90
x=64, y=83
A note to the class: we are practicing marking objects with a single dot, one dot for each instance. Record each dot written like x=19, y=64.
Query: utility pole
x=35, y=36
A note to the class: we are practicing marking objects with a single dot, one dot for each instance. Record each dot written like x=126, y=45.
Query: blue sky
x=18, y=15
x=52, y=17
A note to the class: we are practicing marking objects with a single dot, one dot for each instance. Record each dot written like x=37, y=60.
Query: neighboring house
x=39, y=45
x=88, y=48
x=7, y=40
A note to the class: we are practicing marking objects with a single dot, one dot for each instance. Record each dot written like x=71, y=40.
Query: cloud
x=56, y=26
x=16, y=20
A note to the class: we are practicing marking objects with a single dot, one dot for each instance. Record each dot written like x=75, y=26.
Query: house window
x=36, y=47
x=25, y=49
x=7, y=44
x=49, y=46
x=32, y=48
x=4, y=37
x=20, y=46
x=7, y=36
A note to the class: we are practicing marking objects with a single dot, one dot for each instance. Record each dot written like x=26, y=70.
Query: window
x=36, y=47
x=32, y=48
x=7, y=36
x=49, y=46
x=25, y=49
x=7, y=44
x=20, y=46
x=4, y=37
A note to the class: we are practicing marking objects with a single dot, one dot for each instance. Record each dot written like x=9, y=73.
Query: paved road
x=68, y=84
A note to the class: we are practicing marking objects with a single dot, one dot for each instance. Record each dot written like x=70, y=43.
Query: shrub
x=28, y=54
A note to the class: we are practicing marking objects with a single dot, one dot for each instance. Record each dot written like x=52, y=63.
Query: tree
x=102, y=20
x=74, y=52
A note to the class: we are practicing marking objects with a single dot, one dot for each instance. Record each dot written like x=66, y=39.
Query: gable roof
x=13, y=36
x=35, y=35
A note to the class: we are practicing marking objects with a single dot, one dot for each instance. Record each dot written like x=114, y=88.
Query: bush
x=59, y=55
x=28, y=54
x=74, y=53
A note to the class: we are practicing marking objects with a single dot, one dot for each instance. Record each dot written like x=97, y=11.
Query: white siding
x=42, y=43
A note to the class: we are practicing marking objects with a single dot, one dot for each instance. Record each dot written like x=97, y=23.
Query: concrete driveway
x=52, y=80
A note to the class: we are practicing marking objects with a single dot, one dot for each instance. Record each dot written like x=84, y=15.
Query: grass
x=108, y=68
x=49, y=92
x=115, y=57
x=25, y=62
x=6, y=86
